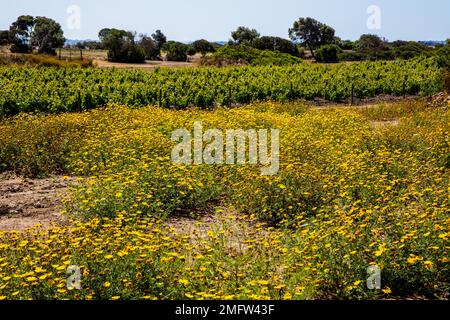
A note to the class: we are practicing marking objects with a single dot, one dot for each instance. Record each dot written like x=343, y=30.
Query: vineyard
x=54, y=90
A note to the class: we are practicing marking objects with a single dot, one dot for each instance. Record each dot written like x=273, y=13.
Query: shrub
x=245, y=54
x=175, y=51
x=276, y=44
x=328, y=53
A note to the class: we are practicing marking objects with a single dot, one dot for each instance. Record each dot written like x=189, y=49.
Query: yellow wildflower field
x=357, y=187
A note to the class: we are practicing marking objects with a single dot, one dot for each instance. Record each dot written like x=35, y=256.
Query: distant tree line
x=319, y=39
x=307, y=35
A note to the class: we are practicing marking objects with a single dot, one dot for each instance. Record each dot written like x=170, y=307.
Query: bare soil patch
x=25, y=203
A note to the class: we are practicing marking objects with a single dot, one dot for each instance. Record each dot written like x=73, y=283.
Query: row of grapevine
x=73, y=89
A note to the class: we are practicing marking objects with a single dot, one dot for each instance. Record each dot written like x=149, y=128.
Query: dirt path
x=25, y=203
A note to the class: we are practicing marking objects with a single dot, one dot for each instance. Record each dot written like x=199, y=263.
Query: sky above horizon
x=214, y=20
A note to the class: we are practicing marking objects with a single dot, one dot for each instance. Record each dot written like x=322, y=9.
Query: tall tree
x=47, y=35
x=20, y=33
x=150, y=47
x=372, y=46
x=159, y=38
x=103, y=34
x=244, y=35
x=121, y=46
x=312, y=33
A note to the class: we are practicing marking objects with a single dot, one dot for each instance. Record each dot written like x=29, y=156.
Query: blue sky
x=187, y=20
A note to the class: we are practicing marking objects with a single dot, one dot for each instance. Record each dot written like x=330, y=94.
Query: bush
x=409, y=50
x=175, y=51
x=351, y=56
x=443, y=57
x=202, y=46
x=276, y=44
x=245, y=54
x=328, y=53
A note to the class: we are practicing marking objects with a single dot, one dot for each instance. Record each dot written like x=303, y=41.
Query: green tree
x=203, y=46
x=104, y=33
x=150, y=47
x=244, y=35
x=47, y=35
x=276, y=44
x=373, y=47
x=312, y=33
x=121, y=46
x=159, y=38
x=20, y=34
x=175, y=51
x=4, y=37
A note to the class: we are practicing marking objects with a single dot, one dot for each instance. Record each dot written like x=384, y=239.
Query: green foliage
x=311, y=33
x=328, y=53
x=254, y=56
x=159, y=38
x=443, y=57
x=150, y=47
x=58, y=90
x=276, y=44
x=47, y=35
x=41, y=32
x=244, y=35
x=5, y=37
x=409, y=49
x=203, y=46
x=175, y=51
x=121, y=46
x=20, y=33
x=373, y=47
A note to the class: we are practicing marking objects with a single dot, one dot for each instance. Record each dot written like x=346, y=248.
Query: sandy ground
x=25, y=203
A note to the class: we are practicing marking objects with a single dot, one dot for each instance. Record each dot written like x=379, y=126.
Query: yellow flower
x=107, y=284
x=287, y=296
x=44, y=276
x=387, y=290
x=184, y=282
